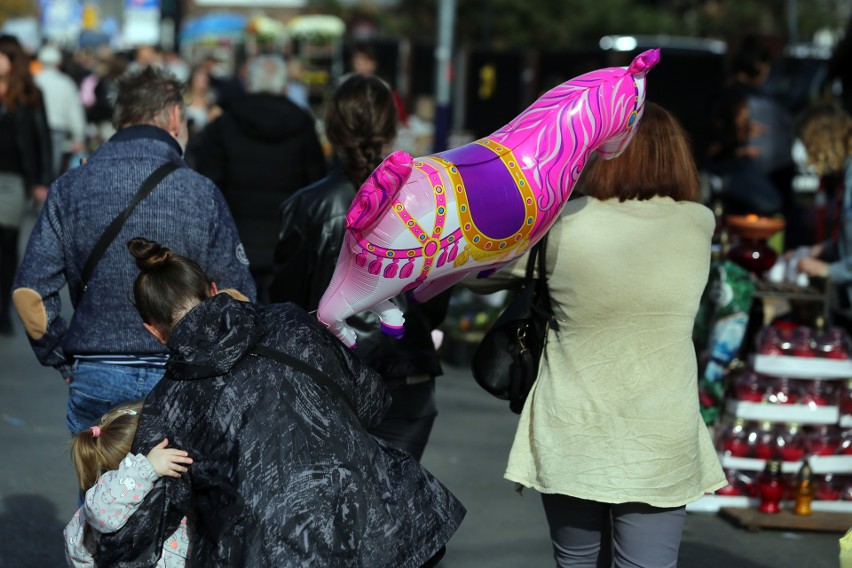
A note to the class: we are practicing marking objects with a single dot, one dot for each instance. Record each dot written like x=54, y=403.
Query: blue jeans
x=96, y=388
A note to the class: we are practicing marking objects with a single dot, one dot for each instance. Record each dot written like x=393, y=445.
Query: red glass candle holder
x=823, y=440
x=734, y=439
x=749, y=387
x=826, y=488
x=833, y=344
x=765, y=442
x=845, y=447
x=754, y=255
x=802, y=342
x=734, y=487
x=781, y=390
x=817, y=392
x=846, y=398
x=791, y=443
x=770, y=487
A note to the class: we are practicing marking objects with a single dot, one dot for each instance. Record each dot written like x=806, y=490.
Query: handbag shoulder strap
x=542, y=290
x=112, y=231
x=537, y=252
x=309, y=370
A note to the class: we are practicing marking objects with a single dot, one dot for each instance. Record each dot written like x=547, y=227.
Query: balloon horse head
x=421, y=225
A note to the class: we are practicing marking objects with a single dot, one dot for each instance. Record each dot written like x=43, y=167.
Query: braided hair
x=360, y=120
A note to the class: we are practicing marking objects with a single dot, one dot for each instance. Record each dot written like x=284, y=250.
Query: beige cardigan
x=613, y=415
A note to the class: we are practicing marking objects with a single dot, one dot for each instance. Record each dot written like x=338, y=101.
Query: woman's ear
x=213, y=289
x=156, y=332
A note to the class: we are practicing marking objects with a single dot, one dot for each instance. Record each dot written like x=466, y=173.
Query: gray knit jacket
x=185, y=212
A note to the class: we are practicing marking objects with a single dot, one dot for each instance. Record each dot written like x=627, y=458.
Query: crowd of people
x=215, y=421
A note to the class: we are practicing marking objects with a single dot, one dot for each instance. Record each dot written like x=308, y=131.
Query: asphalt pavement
x=467, y=451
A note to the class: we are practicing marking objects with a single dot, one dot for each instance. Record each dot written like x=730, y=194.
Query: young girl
x=103, y=451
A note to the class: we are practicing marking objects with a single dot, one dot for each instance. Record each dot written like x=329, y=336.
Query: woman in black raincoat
x=273, y=409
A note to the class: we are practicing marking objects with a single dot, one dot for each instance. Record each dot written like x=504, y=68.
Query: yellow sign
x=90, y=17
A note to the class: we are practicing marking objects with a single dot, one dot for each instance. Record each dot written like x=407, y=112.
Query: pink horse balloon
x=421, y=225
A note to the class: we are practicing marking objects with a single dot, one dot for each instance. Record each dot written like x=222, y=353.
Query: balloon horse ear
x=644, y=61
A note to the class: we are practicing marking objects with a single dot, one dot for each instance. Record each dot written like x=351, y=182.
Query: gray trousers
x=642, y=535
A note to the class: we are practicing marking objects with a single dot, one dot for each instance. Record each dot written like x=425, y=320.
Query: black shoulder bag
x=506, y=361
x=112, y=231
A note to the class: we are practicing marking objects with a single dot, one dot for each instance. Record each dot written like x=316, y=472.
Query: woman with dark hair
x=360, y=124
x=25, y=160
x=273, y=410
x=611, y=428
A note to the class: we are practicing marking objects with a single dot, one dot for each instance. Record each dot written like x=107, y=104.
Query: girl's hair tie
x=96, y=431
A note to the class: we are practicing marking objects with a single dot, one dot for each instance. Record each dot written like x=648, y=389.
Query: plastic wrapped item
x=846, y=398
x=826, y=487
x=781, y=390
x=817, y=392
x=845, y=483
x=736, y=484
x=822, y=440
x=802, y=342
x=749, y=386
x=769, y=341
x=765, y=441
x=790, y=442
x=833, y=344
x=733, y=439
x=845, y=448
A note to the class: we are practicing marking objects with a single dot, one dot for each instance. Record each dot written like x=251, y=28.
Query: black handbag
x=506, y=361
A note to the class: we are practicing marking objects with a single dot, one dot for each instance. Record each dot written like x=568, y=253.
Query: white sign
x=141, y=26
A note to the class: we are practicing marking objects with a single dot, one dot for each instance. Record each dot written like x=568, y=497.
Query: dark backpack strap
x=300, y=365
x=112, y=231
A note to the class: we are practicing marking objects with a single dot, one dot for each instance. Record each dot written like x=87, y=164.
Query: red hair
x=658, y=162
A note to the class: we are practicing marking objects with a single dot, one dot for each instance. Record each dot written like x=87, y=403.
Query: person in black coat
x=25, y=160
x=360, y=122
x=259, y=152
x=273, y=411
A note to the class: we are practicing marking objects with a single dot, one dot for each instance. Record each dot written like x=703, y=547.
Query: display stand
x=828, y=515
x=754, y=520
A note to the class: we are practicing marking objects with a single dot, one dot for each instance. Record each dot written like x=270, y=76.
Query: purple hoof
x=396, y=331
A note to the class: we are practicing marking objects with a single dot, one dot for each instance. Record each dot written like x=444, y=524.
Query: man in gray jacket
x=103, y=353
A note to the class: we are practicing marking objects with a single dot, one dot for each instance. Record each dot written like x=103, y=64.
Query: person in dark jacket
x=284, y=472
x=25, y=160
x=259, y=152
x=360, y=122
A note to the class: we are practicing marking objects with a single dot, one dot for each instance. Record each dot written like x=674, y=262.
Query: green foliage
x=561, y=24
x=17, y=9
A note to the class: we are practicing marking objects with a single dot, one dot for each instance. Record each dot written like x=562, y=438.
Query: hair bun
x=149, y=254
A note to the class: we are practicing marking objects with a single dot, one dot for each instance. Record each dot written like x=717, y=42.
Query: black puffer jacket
x=283, y=474
x=32, y=138
x=259, y=152
x=313, y=224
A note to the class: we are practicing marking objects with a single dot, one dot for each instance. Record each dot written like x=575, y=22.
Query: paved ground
x=467, y=452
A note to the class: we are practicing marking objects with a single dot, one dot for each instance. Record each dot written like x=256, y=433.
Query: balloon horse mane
x=422, y=225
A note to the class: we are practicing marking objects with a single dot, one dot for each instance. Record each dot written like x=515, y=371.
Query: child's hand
x=167, y=461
